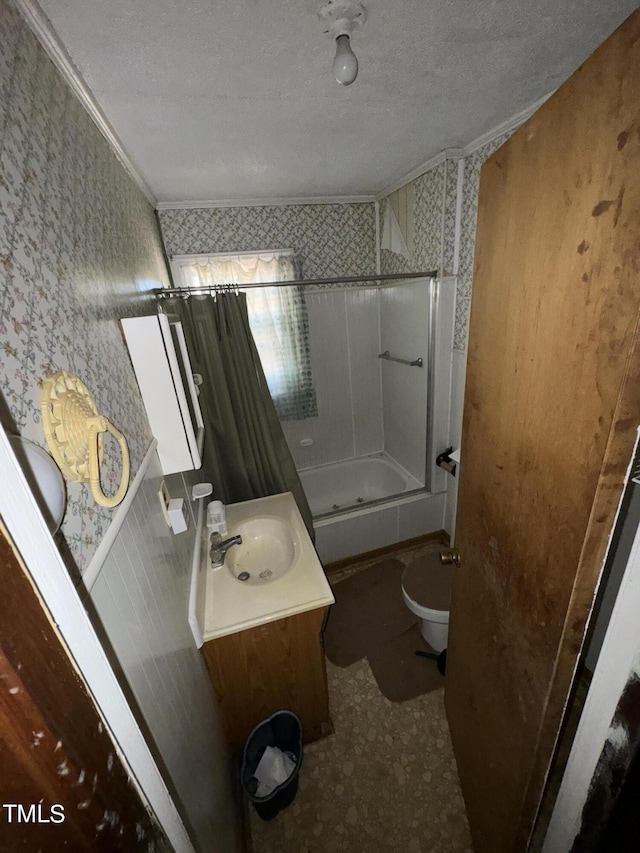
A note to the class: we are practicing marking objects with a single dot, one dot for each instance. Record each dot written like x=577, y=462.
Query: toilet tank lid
x=428, y=582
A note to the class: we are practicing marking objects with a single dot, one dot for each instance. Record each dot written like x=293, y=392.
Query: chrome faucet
x=219, y=548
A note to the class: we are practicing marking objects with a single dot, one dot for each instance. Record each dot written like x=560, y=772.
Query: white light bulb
x=345, y=65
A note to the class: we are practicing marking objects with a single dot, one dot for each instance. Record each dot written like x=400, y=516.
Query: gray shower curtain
x=245, y=451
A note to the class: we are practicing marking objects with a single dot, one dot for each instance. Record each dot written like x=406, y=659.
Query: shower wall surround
x=79, y=248
x=404, y=330
x=339, y=239
x=345, y=339
x=330, y=239
x=364, y=405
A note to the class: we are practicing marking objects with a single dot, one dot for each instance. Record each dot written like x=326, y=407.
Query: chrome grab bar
x=416, y=363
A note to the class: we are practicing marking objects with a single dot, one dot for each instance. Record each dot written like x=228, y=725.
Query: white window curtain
x=277, y=317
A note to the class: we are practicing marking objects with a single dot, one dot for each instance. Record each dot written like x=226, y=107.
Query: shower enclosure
x=380, y=353
x=380, y=359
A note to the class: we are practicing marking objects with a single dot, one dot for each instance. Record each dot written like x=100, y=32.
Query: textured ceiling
x=235, y=100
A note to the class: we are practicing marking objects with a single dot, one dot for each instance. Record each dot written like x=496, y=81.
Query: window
x=277, y=317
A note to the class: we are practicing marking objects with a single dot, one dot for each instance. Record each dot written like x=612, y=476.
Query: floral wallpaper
x=340, y=239
x=436, y=228
x=427, y=236
x=79, y=248
x=428, y=193
x=329, y=239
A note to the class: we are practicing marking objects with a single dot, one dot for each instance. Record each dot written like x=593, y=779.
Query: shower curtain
x=245, y=451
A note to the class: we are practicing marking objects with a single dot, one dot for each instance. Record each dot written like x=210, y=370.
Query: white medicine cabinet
x=161, y=363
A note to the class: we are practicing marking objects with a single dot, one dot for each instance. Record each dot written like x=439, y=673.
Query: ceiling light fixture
x=339, y=18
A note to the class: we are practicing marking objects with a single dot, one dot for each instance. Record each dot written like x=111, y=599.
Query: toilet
x=426, y=590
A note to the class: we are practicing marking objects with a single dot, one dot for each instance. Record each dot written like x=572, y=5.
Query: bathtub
x=344, y=485
x=367, y=503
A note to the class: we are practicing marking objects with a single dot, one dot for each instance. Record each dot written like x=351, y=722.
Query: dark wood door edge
x=59, y=768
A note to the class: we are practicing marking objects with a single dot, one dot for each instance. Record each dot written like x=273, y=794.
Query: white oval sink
x=277, y=546
x=268, y=550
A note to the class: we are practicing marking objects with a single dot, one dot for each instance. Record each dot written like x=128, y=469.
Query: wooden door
x=62, y=783
x=551, y=409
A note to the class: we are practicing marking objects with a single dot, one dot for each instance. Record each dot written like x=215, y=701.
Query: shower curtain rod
x=175, y=291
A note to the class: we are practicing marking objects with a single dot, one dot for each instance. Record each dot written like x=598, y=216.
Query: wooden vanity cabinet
x=273, y=667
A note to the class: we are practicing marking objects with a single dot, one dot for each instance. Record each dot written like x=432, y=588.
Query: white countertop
x=227, y=605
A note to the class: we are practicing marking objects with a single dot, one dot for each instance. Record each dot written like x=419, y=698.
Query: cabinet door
x=270, y=668
x=161, y=363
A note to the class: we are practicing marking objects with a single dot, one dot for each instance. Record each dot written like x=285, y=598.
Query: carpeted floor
x=384, y=782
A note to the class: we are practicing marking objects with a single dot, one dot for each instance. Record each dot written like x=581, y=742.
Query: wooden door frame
x=70, y=624
x=606, y=506
x=615, y=668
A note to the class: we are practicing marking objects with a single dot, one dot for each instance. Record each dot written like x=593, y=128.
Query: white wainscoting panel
x=141, y=600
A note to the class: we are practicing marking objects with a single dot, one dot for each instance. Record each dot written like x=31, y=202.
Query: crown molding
x=457, y=153
x=43, y=30
x=267, y=202
x=507, y=126
x=447, y=154
x=412, y=175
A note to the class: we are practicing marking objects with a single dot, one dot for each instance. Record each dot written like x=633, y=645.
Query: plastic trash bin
x=283, y=730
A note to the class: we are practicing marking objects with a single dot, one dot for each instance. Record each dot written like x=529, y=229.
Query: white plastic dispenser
x=217, y=518
x=178, y=515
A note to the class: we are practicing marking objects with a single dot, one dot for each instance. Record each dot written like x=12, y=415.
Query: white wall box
x=161, y=363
